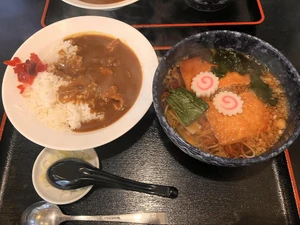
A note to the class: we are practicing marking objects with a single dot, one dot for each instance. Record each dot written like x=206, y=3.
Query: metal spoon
x=47, y=213
x=74, y=173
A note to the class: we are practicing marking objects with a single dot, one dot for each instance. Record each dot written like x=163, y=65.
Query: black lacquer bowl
x=208, y=5
x=278, y=64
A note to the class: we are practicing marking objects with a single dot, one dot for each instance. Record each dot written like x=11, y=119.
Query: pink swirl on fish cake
x=228, y=103
x=205, y=84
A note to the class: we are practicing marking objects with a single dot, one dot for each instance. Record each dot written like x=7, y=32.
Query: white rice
x=42, y=100
x=50, y=54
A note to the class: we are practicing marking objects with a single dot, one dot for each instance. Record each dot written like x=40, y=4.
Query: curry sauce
x=105, y=74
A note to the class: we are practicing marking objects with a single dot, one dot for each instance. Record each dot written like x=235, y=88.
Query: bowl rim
x=212, y=8
x=73, y=141
x=111, y=6
x=197, y=153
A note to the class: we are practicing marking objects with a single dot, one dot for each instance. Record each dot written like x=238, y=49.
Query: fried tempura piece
x=232, y=129
x=189, y=68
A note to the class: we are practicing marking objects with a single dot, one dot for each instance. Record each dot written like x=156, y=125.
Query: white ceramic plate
x=49, y=193
x=36, y=131
x=112, y=6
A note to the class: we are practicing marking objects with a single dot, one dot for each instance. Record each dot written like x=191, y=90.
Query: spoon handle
x=114, y=181
x=147, y=218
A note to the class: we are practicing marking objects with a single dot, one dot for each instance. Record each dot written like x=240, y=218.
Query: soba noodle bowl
x=225, y=103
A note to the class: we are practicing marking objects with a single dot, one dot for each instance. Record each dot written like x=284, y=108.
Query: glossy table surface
x=208, y=195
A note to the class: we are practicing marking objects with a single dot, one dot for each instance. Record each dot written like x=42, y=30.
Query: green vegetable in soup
x=263, y=90
x=228, y=60
x=186, y=105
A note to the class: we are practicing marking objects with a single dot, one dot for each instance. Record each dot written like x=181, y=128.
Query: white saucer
x=49, y=193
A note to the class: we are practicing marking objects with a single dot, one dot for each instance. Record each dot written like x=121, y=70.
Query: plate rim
x=111, y=6
x=147, y=75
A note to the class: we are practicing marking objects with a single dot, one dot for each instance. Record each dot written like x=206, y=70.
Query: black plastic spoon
x=74, y=173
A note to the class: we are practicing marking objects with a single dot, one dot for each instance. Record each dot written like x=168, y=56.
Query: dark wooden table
x=259, y=194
